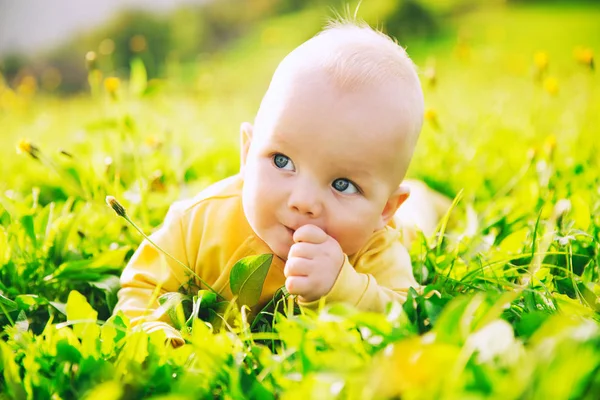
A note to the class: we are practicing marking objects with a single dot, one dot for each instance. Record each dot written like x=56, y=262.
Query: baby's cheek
x=353, y=233
x=349, y=238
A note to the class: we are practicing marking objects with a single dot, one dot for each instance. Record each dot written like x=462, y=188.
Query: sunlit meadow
x=511, y=307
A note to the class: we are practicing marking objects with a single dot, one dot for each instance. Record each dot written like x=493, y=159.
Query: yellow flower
x=112, y=84
x=25, y=146
x=412, y=364
x=27, y=86
x=153, y=142
x=550, y=145
x=541, y=60
x=551, y=85
x=584, y=55
x=431, y=116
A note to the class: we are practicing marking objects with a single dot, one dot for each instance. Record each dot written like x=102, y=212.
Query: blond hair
x=355, y=56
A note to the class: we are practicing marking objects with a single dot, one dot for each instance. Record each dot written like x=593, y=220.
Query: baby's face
x=319, y=156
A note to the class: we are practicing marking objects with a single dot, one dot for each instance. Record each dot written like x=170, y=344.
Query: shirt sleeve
x=382, y=273
x=150, y=274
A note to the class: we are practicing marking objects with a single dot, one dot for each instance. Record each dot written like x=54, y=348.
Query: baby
x=319, y=185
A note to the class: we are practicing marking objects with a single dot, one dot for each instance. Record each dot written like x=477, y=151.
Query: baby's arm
x=149, y=274
x=381, y=274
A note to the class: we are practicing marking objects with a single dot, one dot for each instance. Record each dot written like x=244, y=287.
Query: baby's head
x=332, y=139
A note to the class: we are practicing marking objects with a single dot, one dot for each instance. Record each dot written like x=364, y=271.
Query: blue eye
x=283, y=162
x=344, y=186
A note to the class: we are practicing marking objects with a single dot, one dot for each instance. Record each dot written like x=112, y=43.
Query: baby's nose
x=305, y=201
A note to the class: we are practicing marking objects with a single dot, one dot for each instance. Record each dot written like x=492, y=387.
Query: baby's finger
x=310, y=234
x=303, y=250
x=296, y=267
x=298, y=285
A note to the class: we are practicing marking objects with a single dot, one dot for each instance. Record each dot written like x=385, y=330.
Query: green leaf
x=248, y=276
x=580, y=212
x=67, y=352
x=79, y=310
x=109, y=283
x=91, y=269
x=28, y=301
x=13, y=386
x=455, y=323
x=108, y=334
x=7, y=305
x=172, y=302
x=28, y=225
x=134, y=352
x=110, y=390
x=121, y=324
x=60, y=307
x=4, y=247
x=514, y=242
x=202, y=304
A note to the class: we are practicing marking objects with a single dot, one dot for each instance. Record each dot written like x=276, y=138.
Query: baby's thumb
x=310, y=234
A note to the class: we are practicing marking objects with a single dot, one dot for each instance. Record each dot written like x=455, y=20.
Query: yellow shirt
x=210, y=233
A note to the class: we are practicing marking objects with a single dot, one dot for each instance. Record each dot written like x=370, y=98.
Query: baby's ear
x=394, y=202
x=245, y=139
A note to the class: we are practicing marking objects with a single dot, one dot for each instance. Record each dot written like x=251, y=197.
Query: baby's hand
x=314, y=263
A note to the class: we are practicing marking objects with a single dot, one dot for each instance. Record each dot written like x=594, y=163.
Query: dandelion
x=113, y=203
x=585, y=56
x=550, y=146
x=25, y=146
x=112, y=84
x=116, y=206
x=540, y=60
x=28, y=85
x=431, y=116
x=551, y=85
x=153, y=142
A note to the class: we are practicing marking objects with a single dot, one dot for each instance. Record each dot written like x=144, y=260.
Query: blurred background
x=48, y=41
x=186, y=73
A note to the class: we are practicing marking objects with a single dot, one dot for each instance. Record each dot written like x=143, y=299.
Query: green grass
x=512, y=309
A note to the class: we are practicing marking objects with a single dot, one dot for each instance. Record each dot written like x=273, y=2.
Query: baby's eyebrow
x=279, y=140
x=360, y=175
